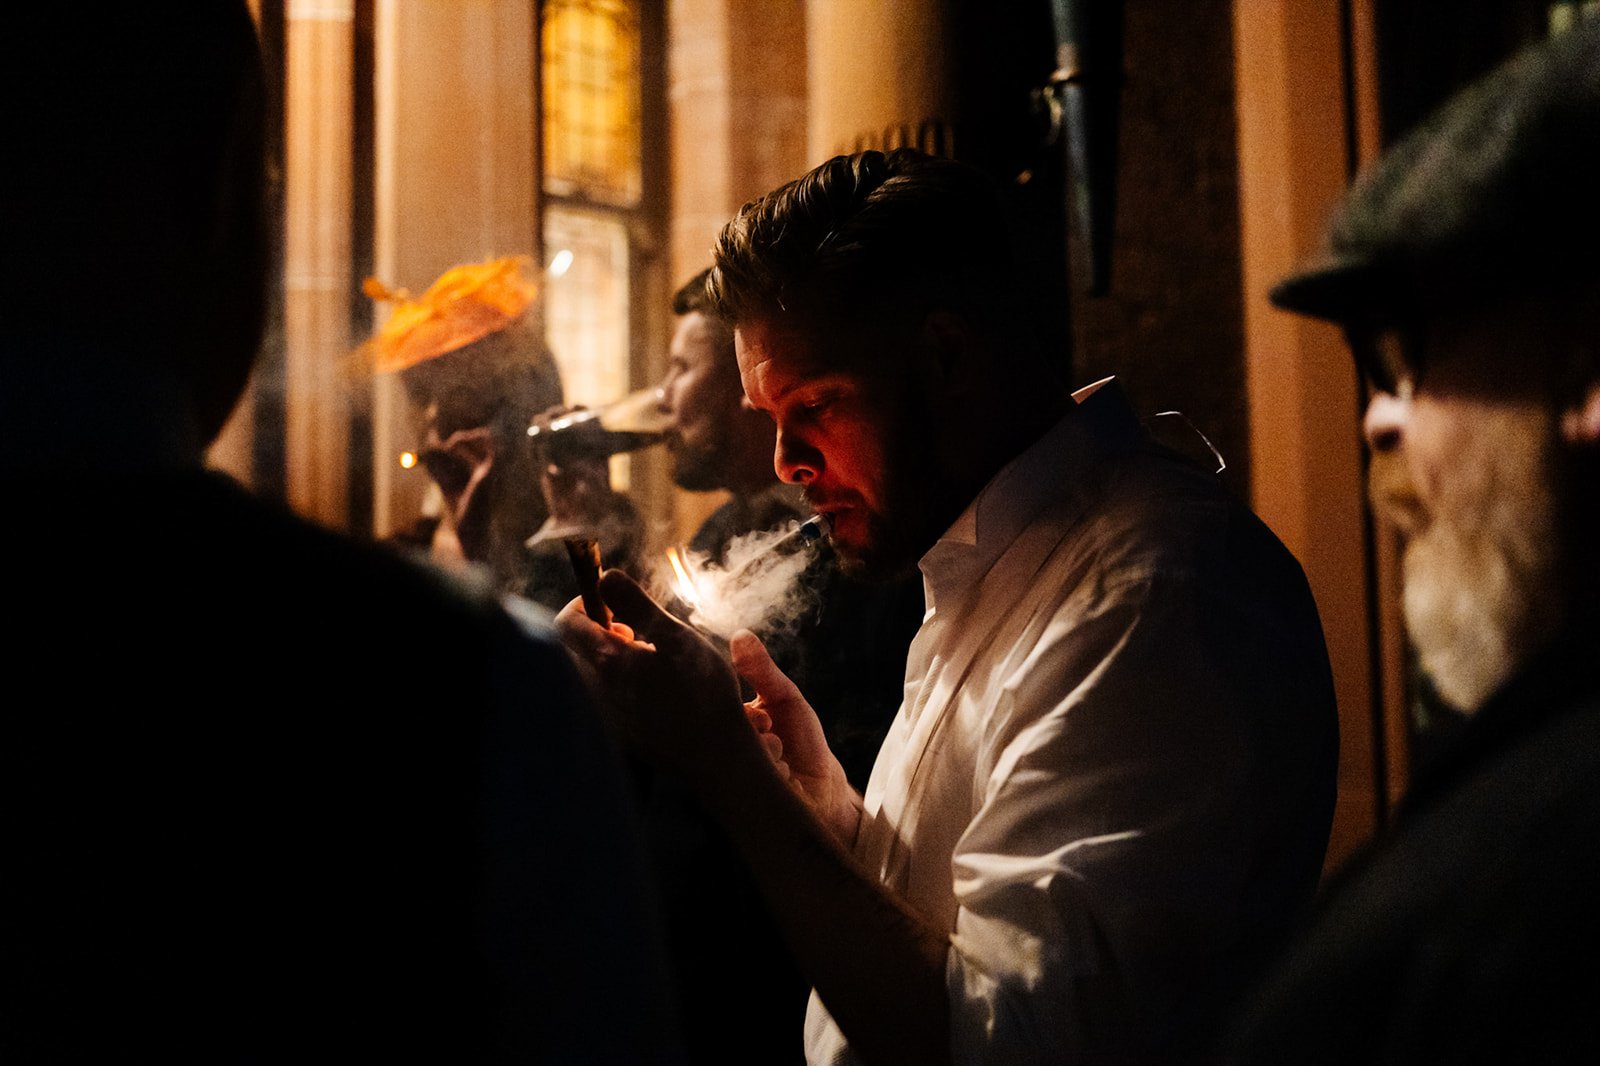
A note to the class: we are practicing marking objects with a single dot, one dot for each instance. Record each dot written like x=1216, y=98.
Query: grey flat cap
x=1496, y=195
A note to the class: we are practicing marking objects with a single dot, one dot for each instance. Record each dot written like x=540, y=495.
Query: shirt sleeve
x=1117, y=873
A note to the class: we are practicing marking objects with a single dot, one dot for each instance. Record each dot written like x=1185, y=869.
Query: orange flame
x=688, y=591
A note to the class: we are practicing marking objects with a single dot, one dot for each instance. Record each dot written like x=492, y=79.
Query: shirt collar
x=1049, y=471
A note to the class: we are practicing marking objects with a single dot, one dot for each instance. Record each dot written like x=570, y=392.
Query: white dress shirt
x=1112, y=776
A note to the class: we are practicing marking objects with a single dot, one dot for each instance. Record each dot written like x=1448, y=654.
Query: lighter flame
x=759, y=584
x=408, y=459
x=687, y=590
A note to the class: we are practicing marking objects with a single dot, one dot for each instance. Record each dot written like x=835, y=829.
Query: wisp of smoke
x=759, y=586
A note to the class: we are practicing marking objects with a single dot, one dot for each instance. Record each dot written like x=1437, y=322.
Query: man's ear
x=1580, y=423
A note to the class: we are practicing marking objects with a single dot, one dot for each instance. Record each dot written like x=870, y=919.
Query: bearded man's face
x=1467, y=465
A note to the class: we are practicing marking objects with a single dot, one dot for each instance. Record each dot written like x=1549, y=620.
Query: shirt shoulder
x=1147, y=513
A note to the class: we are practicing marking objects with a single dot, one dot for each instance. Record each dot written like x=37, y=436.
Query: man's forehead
x=790, y=353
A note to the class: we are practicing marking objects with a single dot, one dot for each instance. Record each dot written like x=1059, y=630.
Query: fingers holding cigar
x=669, y=690
x=592, y=639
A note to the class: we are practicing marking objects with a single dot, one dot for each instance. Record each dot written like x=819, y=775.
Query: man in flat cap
x=1464, y=268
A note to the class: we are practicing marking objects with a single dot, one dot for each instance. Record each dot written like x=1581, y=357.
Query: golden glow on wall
x=593, y=178
x=586, y=309
x=586, y=305
x=591, y=100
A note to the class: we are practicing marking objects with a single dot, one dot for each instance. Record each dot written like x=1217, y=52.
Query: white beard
x=1481, y=571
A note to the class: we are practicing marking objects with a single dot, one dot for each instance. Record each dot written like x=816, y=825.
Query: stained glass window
x=591, y=100
x=593, y=185
x=586, y=316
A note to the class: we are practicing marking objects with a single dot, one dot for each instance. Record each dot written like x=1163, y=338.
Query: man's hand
x=877, y=963
x=793, y=737
x=666, y=687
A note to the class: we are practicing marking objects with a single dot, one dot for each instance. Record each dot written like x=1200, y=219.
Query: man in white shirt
x=1108, y=790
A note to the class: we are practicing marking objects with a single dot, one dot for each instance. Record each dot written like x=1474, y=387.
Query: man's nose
x=795, y=461
x=1385, y=421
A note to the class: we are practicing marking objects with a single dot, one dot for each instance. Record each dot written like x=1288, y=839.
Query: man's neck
x=1001, y=429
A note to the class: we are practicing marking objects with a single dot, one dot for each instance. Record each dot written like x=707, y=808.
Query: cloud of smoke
x=759, y=585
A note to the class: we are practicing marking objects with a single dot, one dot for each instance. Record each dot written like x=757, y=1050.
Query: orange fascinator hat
x=466, y=304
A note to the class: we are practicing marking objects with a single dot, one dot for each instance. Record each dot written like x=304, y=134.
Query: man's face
x=1466, y=464
x=855, y=432
x=702, y=394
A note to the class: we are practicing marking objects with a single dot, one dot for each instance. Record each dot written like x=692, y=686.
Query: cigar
x=585, y=555
x=804, y=535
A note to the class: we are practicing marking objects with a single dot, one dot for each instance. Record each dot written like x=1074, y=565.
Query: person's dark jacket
x=1468, y=932
x=271, y=795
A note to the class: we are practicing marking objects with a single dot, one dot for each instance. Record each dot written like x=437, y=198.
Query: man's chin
x=1485, y=576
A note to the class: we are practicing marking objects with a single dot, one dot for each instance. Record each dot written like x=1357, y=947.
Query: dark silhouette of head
x=133, y=192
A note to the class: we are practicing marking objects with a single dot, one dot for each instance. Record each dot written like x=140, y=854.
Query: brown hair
x=692, y=296
x=868, y=236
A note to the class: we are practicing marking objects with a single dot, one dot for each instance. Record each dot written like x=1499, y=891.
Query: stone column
x=317, y=257
x=1295, y=141
x=736, y=75
x=455, y=175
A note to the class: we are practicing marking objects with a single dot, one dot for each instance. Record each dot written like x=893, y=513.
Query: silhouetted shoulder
x=279, y=783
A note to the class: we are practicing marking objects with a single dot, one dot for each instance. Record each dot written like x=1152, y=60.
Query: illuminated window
x=593, y=183
x=591, y=100
x=587, y=309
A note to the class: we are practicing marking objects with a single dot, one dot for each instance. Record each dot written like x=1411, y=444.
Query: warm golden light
x=408, y=460
x=688, y=592
x=591, y=100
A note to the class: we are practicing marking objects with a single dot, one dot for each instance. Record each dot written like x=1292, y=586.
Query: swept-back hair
x=692, y=296
x=869, y=238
